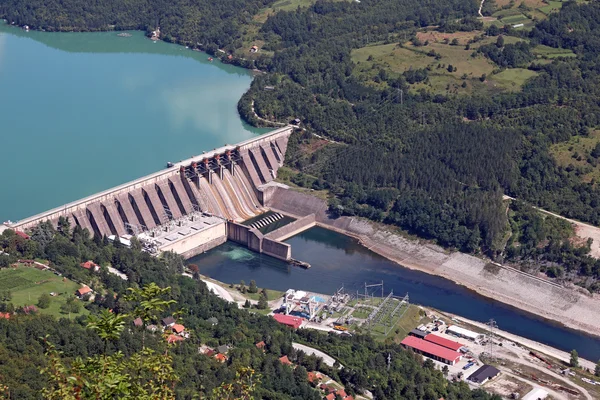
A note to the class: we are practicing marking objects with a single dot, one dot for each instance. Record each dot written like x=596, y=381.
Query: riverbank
x=222, y=290
x=532, y=294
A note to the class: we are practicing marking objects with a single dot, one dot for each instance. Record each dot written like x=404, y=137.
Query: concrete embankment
x=564, y=305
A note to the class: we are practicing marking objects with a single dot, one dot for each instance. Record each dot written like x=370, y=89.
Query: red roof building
x=174, y=338
x=341, y=393
x=178, y=328
x=314, y=377
x=289, y=320
x=221, y=357
x=260, y=345
x=442, y=341
x=330, y=396
x=285, y=360
x=90, y=265
x=431, y=350
x=83, y=291
x=4, y=315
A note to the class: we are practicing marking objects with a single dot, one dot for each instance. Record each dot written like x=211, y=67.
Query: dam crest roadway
x=191, y=206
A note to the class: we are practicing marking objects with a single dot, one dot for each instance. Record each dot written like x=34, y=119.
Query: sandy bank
x=529, y=293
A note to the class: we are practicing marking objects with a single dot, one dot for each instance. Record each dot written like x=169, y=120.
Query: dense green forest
x=23, y=336
x=435, y=164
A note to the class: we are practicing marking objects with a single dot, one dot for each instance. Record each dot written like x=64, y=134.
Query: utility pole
x=491, y=326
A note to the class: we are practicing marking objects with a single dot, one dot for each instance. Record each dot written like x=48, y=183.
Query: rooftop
x=483, y=373
x=442, y=341
x=83, y=290
x=285, y=360
x=176, y=230
x=289, y=320
x=430, y=348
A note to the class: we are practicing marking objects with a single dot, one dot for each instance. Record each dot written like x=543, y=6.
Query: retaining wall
x=293, y=228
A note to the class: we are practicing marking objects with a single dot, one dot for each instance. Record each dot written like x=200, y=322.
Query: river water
x=339, y=260
x=82, y=112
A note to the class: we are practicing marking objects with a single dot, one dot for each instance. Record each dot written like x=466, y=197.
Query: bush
x=44, y=300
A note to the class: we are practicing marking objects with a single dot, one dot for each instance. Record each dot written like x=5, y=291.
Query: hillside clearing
x=26, y=284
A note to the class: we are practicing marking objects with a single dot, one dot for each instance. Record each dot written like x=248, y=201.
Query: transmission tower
x=491, y=324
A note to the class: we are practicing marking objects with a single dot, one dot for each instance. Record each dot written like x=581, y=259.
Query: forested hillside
x=24, y=337
x=431, y=147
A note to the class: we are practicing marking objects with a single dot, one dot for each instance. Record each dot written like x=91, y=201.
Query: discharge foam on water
x=239, y=254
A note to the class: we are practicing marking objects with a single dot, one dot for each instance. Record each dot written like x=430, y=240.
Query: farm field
x=26, y=284
x=523, y=12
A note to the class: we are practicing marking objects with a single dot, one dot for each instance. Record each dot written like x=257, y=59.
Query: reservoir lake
x=83, y=112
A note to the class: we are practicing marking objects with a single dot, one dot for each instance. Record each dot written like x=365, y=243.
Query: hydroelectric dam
x=192, y=205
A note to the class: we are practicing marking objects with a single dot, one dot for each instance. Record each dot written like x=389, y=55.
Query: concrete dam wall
x=224, y=182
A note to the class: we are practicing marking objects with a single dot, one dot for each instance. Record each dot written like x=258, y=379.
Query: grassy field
x=271, y=295
x=513, y=78
x=575, y=152
x=397, y=60
x=26, y=284
x=550, y=52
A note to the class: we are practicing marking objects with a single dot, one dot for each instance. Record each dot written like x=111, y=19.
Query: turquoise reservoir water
x=82, y=112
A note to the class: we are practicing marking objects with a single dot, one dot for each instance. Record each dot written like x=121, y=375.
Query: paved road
x=219, y=291
x=327, y=359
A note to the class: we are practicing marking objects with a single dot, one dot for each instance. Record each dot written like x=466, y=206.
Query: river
x=340, y=260
x=82, y=112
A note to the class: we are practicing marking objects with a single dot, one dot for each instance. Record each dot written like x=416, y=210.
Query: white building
x=464, y=333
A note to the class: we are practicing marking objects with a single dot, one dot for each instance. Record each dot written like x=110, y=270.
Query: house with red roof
x=174, y=339
x=261, y=345
x=90, y=266
x=83, y=291
x=221, y=357
x=285, y=360
x=330, y=396
x=4, y=315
